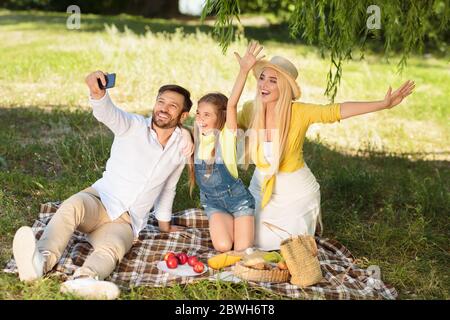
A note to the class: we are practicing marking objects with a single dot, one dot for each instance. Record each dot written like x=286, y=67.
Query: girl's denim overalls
x=220, y=191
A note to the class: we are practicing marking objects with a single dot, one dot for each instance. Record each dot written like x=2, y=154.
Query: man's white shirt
x=140, y=173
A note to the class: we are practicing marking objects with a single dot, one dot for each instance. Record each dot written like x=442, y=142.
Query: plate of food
x=180, y=264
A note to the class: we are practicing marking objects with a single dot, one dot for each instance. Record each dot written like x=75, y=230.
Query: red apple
x=199, y=267
x=192, y=260
x=168, y=255
x=182, y=258
x=172, y=262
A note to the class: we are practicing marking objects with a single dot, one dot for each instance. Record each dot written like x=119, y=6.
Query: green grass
x=384, y=177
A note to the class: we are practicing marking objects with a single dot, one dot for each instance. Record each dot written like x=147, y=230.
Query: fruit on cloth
x=182, y=258
x=199, y=267
x=282, y=265
x=273, y=256
x=168, y=255
x=192, y=260
x=223, y=260
x=172, y=262
x=262, y=260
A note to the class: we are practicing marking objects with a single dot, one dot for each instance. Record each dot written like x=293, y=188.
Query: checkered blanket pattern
x=343, y=279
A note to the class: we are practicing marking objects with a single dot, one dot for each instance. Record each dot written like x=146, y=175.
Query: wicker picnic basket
x=300, y=253
x=273, y=275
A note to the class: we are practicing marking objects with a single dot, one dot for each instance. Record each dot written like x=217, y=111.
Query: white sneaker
x=29, y=261
x=91, y=288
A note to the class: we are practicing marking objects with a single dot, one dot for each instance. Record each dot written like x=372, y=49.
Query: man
x=142, y=172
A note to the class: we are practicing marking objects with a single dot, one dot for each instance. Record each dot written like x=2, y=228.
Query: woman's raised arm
x=246, y=63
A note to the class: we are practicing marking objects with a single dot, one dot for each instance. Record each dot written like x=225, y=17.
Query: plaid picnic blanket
x=343, y=279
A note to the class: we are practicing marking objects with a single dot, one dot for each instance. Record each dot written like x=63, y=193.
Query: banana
x=223, y=260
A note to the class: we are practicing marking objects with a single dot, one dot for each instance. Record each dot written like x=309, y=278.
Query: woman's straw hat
x=283, y=66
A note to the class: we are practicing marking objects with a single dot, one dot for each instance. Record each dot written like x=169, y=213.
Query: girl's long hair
x=283, y=109
x=219, y=101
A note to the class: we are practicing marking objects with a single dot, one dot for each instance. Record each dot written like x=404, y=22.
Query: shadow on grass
x=389, y=209
x=139, y=25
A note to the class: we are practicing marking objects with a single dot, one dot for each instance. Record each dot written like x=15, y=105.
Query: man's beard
x=165, y=124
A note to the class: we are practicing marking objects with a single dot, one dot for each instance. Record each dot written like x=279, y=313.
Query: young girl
x=226, y=201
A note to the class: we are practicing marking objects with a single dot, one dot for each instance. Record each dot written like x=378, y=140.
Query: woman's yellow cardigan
x=303, y=115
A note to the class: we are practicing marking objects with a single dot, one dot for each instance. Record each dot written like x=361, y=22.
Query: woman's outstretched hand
x=350, y=109
x=251, y=56
x=394, y=98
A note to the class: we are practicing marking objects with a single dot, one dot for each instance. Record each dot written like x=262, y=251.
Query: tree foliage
x=339, y=28
x=146, y=8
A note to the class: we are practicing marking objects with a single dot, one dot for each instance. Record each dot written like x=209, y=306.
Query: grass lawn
x=384, y=177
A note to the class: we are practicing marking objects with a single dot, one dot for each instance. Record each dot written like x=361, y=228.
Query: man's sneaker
x=29, y=261
x=91, y=288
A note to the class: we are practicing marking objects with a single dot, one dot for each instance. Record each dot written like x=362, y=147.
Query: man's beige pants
x=85, y=212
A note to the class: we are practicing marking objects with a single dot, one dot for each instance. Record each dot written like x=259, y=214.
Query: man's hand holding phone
x=98, y=82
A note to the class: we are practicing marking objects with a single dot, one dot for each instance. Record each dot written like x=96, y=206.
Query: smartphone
x=110, y=81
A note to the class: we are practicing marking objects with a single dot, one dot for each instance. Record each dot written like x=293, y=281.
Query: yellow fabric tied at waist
x=289, y=164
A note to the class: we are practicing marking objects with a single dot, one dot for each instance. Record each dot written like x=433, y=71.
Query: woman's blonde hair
x=283, y=109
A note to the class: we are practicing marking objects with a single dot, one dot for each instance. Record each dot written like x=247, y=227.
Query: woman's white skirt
x=294, y=207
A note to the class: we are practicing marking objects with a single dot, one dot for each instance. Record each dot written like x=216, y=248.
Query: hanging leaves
x=340, y=28
x=225, y=12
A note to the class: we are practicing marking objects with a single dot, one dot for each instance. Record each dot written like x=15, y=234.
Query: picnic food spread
x=251, y=265
x=257, y=260
x=262, y=266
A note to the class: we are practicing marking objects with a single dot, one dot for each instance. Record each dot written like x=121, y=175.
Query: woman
x=286, y=192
